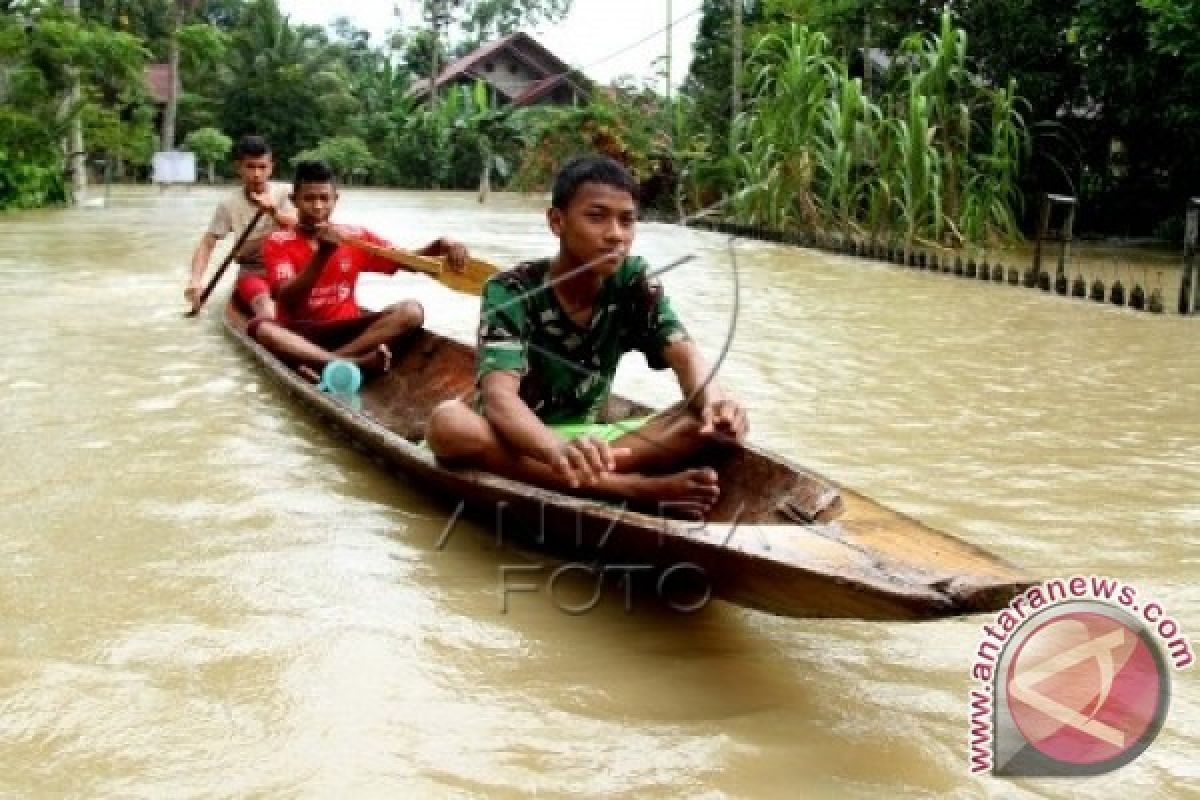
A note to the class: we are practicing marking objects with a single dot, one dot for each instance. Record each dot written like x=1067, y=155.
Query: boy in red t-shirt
x=312, y=276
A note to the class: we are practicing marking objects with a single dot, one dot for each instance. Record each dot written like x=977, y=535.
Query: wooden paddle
x=469, y=279
x=237, y=245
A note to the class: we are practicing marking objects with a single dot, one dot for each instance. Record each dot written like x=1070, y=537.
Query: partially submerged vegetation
x=873, y=120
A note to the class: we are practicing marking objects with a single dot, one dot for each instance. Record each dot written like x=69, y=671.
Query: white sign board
x=174, y=166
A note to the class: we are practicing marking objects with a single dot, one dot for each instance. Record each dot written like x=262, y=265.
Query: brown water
x=203, y=594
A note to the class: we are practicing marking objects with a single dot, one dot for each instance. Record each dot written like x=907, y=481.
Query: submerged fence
x=968, y=265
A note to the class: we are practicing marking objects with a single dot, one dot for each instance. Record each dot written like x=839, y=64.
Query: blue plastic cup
x=341, y=378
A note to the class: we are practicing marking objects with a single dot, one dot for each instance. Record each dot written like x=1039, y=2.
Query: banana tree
x=491, y=128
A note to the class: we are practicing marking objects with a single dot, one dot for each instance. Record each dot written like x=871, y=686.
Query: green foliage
x=625, y=123
x=451, y=144
x=210, y=146
x=348, y=156
x=25, y=185
x=814, y=151
x=1011, y=98
x=709, y=84
x=285, y=82
x=42, y=48
x=484, y=20
x=125, y=139
x=1141, y=66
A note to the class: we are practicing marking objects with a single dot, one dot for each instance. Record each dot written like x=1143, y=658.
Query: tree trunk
x=485, y=180
x=212, y=172
x=76, y=163
x=172, y=107
x=737, y=72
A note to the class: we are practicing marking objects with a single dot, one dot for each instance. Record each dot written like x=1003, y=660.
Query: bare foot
x=692, y=492
x=378, y=360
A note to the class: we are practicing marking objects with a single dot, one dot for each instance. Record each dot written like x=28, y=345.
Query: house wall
x=507, y=74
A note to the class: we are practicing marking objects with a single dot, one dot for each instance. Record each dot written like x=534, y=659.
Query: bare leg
x=460, y=437
x=664, y=441
x=397, y=320
x=263, y=306
x=295, y=349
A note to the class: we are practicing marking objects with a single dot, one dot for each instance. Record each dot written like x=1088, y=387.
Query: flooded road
x=205, y=594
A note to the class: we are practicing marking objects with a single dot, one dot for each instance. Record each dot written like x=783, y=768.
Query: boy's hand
x=723, y=417
x=264, y=202
x=328, y=236
x=583, y=461
x=192, y=293
x=454, y=251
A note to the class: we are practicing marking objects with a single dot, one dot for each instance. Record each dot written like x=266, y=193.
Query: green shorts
x=608, y=431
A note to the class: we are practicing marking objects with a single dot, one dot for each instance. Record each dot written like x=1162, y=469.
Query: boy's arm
x=200, y=259
x=504, y=332
x=665, y=343
x=278, y=209
x=292, y=289
x=719, y=413
x=579, y=461
x=374, y=262
x=503, y=359
x=513, y=420
x=219, y=227
x=455, y=252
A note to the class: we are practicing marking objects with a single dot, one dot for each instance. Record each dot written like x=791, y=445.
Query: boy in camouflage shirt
x=551, y=335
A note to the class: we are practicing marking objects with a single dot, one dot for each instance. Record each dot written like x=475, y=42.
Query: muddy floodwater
x=205, y=594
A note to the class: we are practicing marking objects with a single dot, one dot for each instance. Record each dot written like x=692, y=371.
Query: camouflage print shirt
x=567, y=369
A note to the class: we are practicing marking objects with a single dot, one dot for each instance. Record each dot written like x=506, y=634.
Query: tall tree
x=482, y=20
x=286, y=82
x=76, y=157
x=44, y=53
x=1140, y=65
x=709, y=82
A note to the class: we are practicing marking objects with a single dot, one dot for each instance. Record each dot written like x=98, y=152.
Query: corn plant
x=918, y=182
x=792, y=77
x=938, y=72
x=992, y=196
x=849, y=136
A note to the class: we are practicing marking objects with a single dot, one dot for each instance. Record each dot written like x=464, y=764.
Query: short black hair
x=251, y=147
x=590, y=169
x=311, y=172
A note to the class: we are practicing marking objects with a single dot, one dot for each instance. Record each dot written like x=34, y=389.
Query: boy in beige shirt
x=234, y=214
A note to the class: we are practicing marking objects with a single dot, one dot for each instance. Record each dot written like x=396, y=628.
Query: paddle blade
x=470, y=280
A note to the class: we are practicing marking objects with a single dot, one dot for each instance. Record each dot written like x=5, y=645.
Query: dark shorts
x=330, y=335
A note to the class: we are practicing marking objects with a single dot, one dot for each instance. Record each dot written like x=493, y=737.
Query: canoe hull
x=869, y=562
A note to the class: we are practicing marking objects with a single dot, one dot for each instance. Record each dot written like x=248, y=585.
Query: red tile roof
x=158, y=82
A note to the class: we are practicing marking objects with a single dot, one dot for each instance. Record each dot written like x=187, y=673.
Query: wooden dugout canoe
x=855, y=559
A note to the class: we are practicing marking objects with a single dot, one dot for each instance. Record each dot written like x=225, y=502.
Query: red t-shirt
x=286, y=253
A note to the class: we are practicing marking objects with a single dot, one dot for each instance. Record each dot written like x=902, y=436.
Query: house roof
x=158, y=82
x=541, y=89
x=519, y=44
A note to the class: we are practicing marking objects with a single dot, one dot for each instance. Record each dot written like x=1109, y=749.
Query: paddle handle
x=414, y=261
x=237, y=245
